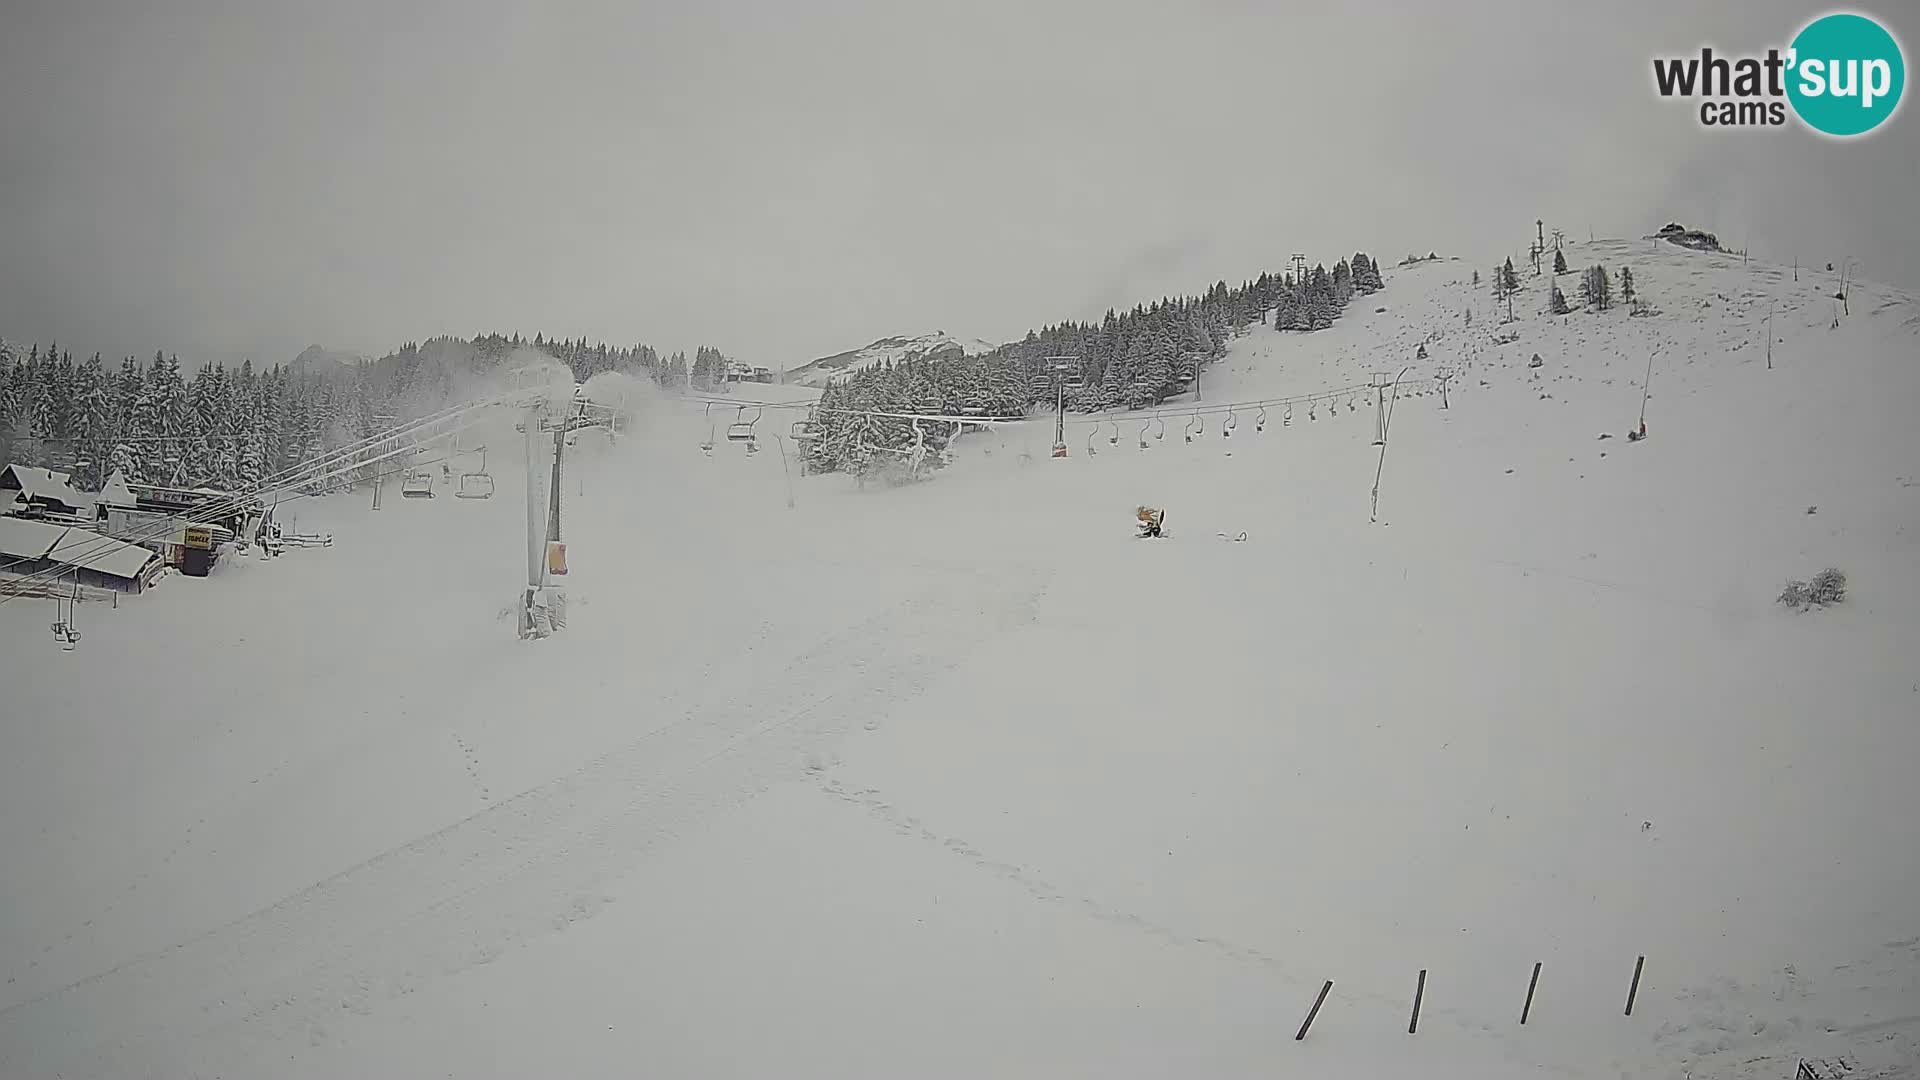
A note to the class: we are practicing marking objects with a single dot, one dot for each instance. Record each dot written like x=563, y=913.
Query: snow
x=45, y=484
x=961, y=778
x=938, y=344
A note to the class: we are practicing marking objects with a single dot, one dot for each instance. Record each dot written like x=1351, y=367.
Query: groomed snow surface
x=961, y=779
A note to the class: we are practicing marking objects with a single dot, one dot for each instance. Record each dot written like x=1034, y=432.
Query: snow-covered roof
x=44, y=484
x=28, y=540
x=102, y=553
x=115, y=491
x=21, y=538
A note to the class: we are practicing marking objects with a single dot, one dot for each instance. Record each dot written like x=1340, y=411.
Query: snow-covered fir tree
x=1594, y=288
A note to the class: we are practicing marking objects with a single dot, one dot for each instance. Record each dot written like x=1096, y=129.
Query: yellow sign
x=199, y=536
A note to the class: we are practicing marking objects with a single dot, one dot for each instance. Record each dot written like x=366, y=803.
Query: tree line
x=229, y=428
x=1128, y=360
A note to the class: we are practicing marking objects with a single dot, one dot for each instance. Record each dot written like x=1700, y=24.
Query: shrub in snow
x=1829, y=586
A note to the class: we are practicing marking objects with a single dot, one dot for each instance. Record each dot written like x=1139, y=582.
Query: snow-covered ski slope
x=961, y=779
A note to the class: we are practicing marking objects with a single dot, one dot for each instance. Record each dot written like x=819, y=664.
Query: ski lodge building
x=34, y=492
x=72, y=553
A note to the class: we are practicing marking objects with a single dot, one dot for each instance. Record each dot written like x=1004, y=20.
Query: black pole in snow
x=1419, y=991
x=1313, y=1012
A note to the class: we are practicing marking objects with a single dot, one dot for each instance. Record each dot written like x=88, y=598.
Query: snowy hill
x=937, y=345
x=961, y=779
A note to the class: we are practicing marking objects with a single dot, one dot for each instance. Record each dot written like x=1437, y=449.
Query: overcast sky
x=788, y=178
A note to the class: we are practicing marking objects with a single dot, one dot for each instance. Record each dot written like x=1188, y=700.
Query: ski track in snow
x=522, y=868
x=1041, y=889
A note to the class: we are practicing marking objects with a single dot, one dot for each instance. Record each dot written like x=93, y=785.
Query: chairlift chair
x=707, y=447
x=1233, y=421
x=1114, y=439
x=477, y=484
x=803, y=431
x=741, y=430
x=1260, y=422
x=417, y=484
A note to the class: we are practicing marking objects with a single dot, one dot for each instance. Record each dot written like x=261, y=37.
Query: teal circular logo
x=1846, y=76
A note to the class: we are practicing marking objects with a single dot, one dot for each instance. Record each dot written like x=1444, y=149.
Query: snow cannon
x=1148, y=520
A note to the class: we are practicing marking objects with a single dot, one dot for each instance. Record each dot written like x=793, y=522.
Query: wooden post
x=1634, y=989
x=1313, y=1012
x=1531, y=983
x=1419, y=991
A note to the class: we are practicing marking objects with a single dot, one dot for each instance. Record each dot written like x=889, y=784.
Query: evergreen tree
x=1626, y=285
x=1594, y=288
x=36, y=407
x=1559, y=261
x=1510, y=281
x=1557, y=302
x=93, y=407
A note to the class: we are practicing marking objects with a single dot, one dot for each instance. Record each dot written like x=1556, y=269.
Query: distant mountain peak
x=937, y=345
x=323, y=357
